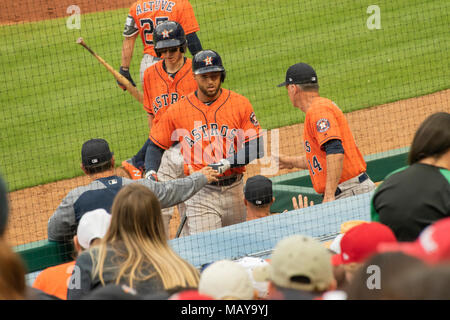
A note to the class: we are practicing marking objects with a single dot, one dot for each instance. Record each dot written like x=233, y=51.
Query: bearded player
x=215, y=127
x=143, y=18
x=336, y=166
x=165, y=82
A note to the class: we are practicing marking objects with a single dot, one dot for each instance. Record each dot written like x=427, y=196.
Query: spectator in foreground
x=12, y=274
x=367, y=285
x=429, y=283
x=251, y=263
x=432, y=245
x=134, y=251
x=335, y=246
x=359, y=243
x=300, y=269
x=98, y=163
x=4, y=208
x=226, y=280
x=91, y=229
x=412, y=198
x=12, y=270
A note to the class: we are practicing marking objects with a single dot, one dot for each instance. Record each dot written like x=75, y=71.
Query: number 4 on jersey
x=315, y=165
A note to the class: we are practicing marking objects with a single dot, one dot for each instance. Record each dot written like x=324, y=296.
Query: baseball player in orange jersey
x=336, y=166
x=143, y=18
x=215, y=127
x=165, y=82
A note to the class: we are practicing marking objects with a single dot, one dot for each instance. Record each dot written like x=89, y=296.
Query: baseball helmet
x=169, y=34
x=208, y=61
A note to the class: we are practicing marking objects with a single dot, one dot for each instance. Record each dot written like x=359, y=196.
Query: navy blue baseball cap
x=95, y=152
x=299, y=73
x=258, y=190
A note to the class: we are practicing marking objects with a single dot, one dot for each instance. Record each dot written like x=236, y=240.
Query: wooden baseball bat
x=130, y=88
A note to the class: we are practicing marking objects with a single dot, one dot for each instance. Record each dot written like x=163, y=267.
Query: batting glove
x=221, y=166
x=151, y=175
x=126, y=74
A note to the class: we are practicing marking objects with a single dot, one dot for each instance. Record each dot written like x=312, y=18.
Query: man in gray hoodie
x=98, y=163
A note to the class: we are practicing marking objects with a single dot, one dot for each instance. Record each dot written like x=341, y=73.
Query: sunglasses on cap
x=171, y=50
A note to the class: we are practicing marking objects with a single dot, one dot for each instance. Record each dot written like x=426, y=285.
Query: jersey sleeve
x=324, y=125
x=249, y=123
x=163, y=133
x=187, y=18
x=147, y=104
x=131, y=27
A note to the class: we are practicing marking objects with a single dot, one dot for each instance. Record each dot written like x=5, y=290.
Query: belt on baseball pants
x=362, y=177
x=224, y=182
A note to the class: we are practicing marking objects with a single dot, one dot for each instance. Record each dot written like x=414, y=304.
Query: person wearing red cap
x=359, y=243
x=432, y=245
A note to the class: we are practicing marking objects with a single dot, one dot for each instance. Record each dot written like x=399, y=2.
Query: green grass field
x=55, y=95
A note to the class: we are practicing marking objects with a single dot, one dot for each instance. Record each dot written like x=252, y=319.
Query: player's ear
x=77, y=245
x=83, y=168
x=290, y=88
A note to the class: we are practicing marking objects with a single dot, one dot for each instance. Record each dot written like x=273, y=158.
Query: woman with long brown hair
x=134, y=251
x=12, y=274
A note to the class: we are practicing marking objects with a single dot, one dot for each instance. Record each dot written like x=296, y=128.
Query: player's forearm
x=253, y=149
x=153, y=157
x=62, y=224
x=127, y=50
x=335, y=163
x=173, y=192
x=300, y=162
x=194, y=44
x=291, y=162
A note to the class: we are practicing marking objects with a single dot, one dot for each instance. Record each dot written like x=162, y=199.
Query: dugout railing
x=256, y=237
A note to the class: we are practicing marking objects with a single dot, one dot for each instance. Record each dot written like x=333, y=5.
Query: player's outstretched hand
x=302, y=202
x=126, y=74
x=221, y=166
x=210, y=174
x=284, y=162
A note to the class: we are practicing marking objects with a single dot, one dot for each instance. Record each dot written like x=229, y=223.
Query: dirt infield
x=36, y=10
x=377, y=129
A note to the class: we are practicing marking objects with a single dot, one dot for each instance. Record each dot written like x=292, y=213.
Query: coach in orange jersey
x=216, y=127
x=336, y=166
x=143, y=17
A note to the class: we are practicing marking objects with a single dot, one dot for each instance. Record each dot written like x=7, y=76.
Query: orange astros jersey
x=161, y=90
x=208, y=133
x=325, y=121
x=148, y=14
